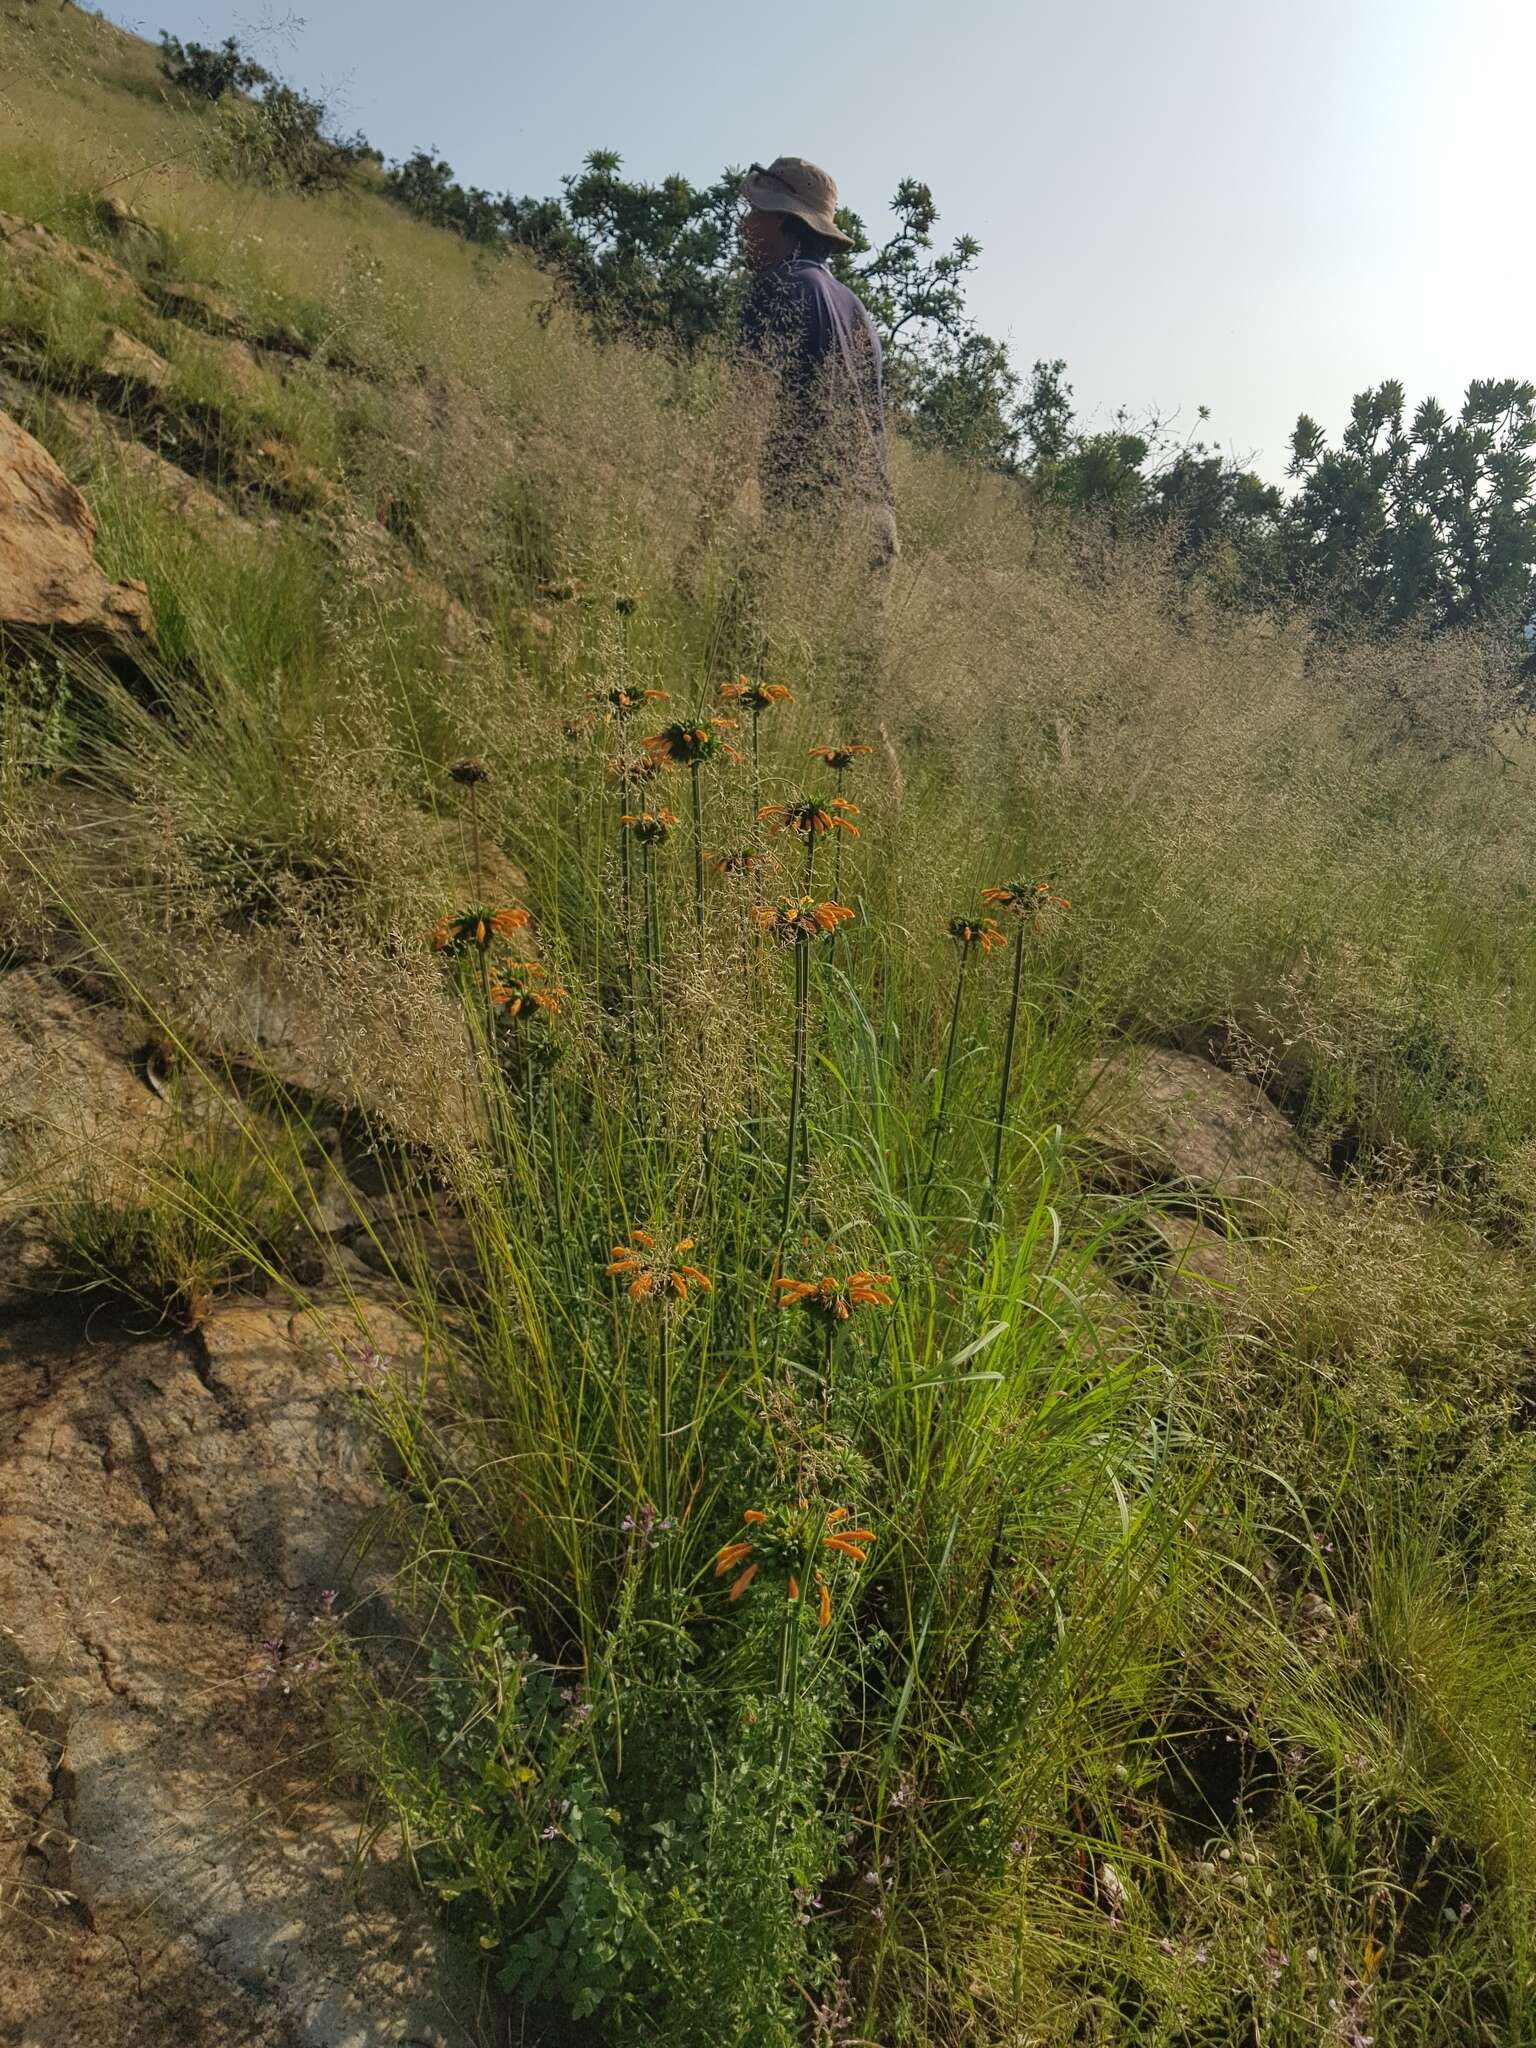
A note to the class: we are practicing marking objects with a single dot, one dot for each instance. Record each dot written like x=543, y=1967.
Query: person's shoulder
x=821, y=280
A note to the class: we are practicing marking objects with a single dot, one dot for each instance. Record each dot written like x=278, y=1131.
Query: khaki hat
x=790, y=185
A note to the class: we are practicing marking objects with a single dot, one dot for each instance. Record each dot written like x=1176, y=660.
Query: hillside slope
x=502, y=1192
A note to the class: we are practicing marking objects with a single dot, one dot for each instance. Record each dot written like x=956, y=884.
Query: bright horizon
x=1194, y=202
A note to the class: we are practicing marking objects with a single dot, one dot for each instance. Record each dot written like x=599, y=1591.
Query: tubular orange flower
x=840, y=758
x=755, y=696
x=621, y=699
x=800, y=917
x=823, y=1602
x=683, y=744
x=653, y=1269
x=650, y=827
x=810, y=815
x=513, y=988
x=1035, y=904
x=977, y=931
x=477, y=927
x=835, y=1299
x=783, y=1542
x=744, y=1581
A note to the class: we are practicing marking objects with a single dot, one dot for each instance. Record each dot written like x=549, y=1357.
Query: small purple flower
x=879, y=1913
x=1015, y=1847
x=327, y=1601
x=371, y=1363
x=643, y=1523
x=548, y=1834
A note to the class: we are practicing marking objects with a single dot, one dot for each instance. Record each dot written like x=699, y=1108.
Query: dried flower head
x=834, y=1300
x=518, y=985
x=977, y=931
x=800, y=917
x=565, y=591
x=477, y=927
x=655, y=1271
x=468, y=773
x=810, y=815
x=650, y=828
x=1035, y=904
x=633, y=767
x=840, y=758
x=738, y=860
x=756, y=697
x=628, y=602
x=681, y=745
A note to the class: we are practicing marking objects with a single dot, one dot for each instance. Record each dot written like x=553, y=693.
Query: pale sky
x=1259, y=205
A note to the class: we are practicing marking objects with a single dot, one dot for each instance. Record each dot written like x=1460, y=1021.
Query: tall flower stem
x=1007, y=1074
x=837, y=857
x=797, y=1076
x=949, y=1060
x=474, y=831
x=789, y=1667
x=698, y=846
x=757, y=779
x=664, y=1488
x=652, y=912
x=810, y=863
x=623, y=737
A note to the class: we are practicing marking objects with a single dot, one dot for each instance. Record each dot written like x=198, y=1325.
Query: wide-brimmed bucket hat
x=790, y=185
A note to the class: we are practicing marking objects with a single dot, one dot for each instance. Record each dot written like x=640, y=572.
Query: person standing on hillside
x=806, y=325
x=824, y=446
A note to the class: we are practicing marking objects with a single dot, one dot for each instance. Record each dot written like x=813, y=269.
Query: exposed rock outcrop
x=1162, y=1119
x=49, y=580
x=175, y=1515
x=26, y=244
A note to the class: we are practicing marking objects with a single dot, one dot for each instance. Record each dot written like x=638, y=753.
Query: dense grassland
x=1181, y=1688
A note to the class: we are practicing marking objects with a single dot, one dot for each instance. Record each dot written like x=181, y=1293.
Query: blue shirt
x=817, y=334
